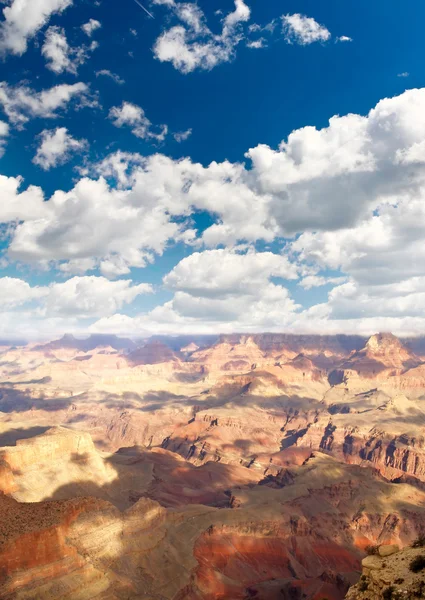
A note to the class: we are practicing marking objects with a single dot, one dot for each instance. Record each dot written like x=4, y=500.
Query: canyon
x=207, y=467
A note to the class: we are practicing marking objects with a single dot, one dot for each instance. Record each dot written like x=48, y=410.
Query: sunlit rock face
x=391, y=571
x=242, y=466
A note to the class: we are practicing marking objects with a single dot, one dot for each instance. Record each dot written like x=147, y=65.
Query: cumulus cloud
x=300, y=187
x=23, y=19
x=119, y=229
x=56, y=148
x=91, y=296
x=83, y=297
x=19, y=205
x=248, y=312
x=133, y=116
x=214, y=273
x=38, y=312
x=299, y=29
x=91, y=26
x=60, y=56
x=107, y=73
x=192, y=45
x=16, y=292
x=21, y=103
x=384, y=258
x=350, y=195
x=219, y=290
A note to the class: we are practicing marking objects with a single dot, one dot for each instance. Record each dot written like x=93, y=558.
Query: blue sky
x=312, y=235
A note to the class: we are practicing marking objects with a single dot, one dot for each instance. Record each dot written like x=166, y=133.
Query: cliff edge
x=391, y=574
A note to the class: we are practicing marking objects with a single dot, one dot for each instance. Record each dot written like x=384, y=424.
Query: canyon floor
x=207, y=467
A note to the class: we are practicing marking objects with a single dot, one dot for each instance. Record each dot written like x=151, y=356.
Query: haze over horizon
x=245, y=167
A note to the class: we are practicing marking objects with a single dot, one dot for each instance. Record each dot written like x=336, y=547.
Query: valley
x=207, y=467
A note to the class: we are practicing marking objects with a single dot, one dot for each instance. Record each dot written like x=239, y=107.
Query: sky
x=173, y=167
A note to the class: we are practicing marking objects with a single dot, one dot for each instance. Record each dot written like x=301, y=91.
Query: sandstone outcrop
x=393, y=574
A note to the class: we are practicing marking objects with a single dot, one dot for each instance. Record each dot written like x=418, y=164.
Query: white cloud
x=133, y=116
x=312, y=281
x=56, y=148
x=19, y=206
x=371, y=229
x=91, y=26
x=23, y=19
x=271, y=310
x=82, y=297
x=107, y=73
x=344, y=38
x=16, y=292
x=384, y=250
x=4, y=132
x=257, y=44
x=91, y=296
x=303, y=186
x=93, y=221
x=21, y=103
x=384, y=258
x=60, y=57
x=404, y=74
x=353, y=193
x=401, y=299
x=303, y=30
x=119, y=166
x=315, y=171
x=218, y=290
x=182, y=136
x=219, y=273
x=4, y=129
x=193, y=46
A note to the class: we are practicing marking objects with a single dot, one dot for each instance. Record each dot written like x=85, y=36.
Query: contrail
x=145, y=9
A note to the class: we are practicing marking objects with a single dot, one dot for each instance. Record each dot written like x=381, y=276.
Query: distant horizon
x=137, y=337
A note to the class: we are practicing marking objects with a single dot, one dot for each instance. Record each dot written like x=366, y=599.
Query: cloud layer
x=349, y=199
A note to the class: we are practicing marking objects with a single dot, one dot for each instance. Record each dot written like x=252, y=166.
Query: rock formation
x=243, y=466
x=391, y=574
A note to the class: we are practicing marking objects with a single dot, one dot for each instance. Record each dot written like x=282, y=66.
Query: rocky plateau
x=210, y=467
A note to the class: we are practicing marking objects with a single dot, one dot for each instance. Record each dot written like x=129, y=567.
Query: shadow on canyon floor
x=161, y=476
x=315, y=532
x=13, y=400
x=152, y=401
x=9, y=438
